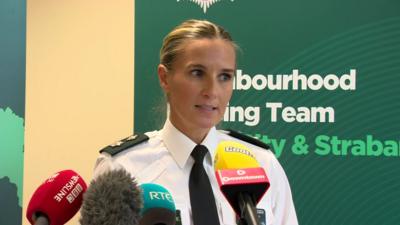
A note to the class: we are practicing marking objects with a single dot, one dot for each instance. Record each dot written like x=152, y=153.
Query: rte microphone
x=57, y=199
x=242, y=181
x=113, y=198
x=158, y=207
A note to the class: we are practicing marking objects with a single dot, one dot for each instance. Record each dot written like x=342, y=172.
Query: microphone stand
x=41, y=219
x=248, y=212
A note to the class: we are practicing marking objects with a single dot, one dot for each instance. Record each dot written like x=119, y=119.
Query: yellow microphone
x=241, y=179
x=234, y=155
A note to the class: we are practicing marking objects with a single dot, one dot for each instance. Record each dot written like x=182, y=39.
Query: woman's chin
x=207, y=123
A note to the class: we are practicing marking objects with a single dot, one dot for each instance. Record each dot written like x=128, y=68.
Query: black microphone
x=113, y=198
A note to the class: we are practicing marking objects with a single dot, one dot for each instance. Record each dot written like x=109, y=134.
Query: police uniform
x=163, y=157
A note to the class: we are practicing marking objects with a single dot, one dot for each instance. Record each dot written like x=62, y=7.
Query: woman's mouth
x=206, y=107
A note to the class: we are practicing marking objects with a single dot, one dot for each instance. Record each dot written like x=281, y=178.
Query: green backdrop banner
x=12, y=108
x=317, y=80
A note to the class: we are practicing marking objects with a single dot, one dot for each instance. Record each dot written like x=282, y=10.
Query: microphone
x=113, y=198
x=57, y=199
x=158, y=207
x=241, y=179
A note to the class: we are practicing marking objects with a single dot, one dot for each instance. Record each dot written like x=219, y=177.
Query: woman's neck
x=195, y=134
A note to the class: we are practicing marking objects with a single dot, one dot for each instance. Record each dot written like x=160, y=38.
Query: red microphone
x=241, y=179
x=57, y=199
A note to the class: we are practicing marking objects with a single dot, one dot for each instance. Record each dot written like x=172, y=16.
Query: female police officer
x=196, y=71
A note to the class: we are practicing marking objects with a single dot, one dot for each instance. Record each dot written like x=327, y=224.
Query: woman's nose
x=210, y=88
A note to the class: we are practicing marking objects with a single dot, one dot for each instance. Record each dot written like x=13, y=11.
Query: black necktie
x=202, y=200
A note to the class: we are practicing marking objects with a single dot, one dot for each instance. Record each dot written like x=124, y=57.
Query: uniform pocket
x=151, y=172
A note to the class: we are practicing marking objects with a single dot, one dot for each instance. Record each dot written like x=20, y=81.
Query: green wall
x=341, y=172
x=12, y=108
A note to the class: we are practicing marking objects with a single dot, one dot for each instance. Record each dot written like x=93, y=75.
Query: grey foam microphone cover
x=113, y=198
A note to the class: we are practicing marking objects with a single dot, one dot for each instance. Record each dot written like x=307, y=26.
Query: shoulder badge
x=247, y=138
x=125, y=143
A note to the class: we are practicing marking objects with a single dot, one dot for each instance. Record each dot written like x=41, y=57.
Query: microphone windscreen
x=158, y=205
x=58, y=198
x=113, y=198
x=234, y=155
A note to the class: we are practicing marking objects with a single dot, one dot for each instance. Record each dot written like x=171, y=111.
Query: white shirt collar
x=180, y=146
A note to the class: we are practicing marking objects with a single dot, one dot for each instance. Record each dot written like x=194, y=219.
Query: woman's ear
x=162, y=77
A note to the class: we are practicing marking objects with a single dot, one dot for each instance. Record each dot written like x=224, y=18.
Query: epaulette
x=247, y=138
x=125, y=143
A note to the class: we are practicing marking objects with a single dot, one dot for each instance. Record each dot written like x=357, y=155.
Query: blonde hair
x=190, y=30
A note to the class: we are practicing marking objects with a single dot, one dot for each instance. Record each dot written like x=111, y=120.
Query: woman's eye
x=225, y=77
x=196, y=72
